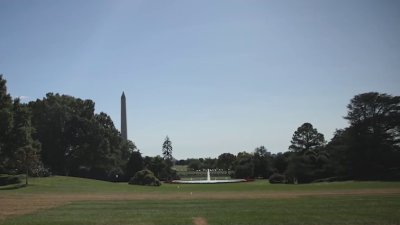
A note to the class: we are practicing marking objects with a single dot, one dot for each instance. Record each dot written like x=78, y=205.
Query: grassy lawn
x=60, y=184
x=306, y=210
x=83, y=201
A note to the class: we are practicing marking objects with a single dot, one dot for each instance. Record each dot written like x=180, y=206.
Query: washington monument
x=124, y=131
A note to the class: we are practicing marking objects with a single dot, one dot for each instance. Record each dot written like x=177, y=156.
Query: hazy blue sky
x=216, y=76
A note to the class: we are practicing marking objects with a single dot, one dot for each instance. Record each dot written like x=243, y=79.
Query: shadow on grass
x=12, y=186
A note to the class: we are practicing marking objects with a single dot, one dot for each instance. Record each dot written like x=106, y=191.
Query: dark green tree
x=373, y=138
x=306, y=138
x=280, y=162
x=308, y=158
x=162, y=168
x=26, y=150
x=262, y=162
x=135, y=163
x=244, y=165
x=338, y=150
x=209, y=163
x=167, y=149
x=195, y=164
x=145, y=177
x=156, y=164
x=225, y=161
x=76, y=141
x=6, y=123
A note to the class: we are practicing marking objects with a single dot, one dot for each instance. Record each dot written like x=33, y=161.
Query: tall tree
x=76, y=141
x=262, y=162
x=26, y=150
x=374, y=136
x=225, y=161
x=244, y=165
x=306, y=138
x=280, y=162
x=338, y=150
x=304, y=161
x=6, y=123
x=135, y=164
x=167, y=149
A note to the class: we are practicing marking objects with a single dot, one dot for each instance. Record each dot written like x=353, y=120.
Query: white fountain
x=208, y=181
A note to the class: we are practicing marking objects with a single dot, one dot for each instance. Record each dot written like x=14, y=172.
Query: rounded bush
x=145, y=177
x=277, y=178
x=9, y=179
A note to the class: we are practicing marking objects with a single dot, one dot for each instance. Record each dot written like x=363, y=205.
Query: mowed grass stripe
x=303, y=210
x=71, y=185
x=68, y=200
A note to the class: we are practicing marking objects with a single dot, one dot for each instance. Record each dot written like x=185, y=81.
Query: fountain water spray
x=208, y=181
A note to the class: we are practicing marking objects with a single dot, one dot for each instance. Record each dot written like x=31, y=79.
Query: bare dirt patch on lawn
x=19, y=204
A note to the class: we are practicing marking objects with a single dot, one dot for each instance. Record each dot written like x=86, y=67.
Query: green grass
x=318, y=209
x=180, y=168
x=60, y=184
x=306, y=210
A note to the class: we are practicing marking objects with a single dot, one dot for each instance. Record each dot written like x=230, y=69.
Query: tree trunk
x=26, y=177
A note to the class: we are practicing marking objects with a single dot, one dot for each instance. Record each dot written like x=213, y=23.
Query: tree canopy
x=167, y=148
x=75, y=140
x=63, y=135
x=372, y=142
x=305, y=138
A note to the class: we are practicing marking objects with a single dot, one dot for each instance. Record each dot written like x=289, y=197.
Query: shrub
x=244, y=171
x=38, y=170
x=9, y=179
x=168, y=175
x=115, y=174
x=145, y=177
x=276, y=178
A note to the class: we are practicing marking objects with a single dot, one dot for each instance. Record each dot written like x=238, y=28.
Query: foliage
x=338, y=148
x=39, y=170
x=209, y=163
x=226, y=161
x=145, y=177
x=300, y=169
x=195, y=165
x=308, y=159
x=167, y=148
x=306, y=138
x=280, y=162
x=201, y=163
x=6, y=125
x=244, y=166
x=26, y=154
x=61, y=134
x=19, y=152
x=75, y=140
x=135, y=163
x=373, y=138
x=276, y=178
x=162, y=168
x=6, y=179
x=262, y=162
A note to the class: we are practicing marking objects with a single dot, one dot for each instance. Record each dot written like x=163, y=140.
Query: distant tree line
x=369, y=149
x=63, y=135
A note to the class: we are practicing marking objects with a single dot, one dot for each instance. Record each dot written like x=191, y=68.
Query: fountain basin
x=207, y=181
